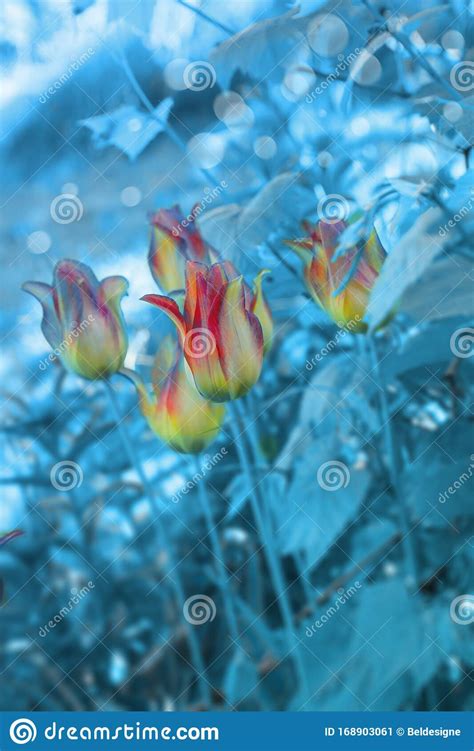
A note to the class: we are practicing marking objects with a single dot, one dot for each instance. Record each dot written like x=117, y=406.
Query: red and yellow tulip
x=82, y=319
x=177, y=412
x=175, y=239
x=219, y=329
x=341, y=286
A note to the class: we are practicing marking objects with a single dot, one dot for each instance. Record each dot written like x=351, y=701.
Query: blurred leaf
x=261, y=49
x=241, y=678
x=127, y=128
x=405, y=265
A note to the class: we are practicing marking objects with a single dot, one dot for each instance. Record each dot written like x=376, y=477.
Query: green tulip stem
x=273, y=562
x=393, y=469
x=298, y=556
x=223, y=578
x=195, y=649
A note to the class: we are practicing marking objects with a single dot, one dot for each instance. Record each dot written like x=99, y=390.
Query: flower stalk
x=271, y=557
x=195, y=649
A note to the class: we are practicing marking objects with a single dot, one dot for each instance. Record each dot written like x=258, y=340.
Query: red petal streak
x=170, y=307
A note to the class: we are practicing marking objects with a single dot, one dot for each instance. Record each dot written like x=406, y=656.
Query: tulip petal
x=50, y=325
x=170, y=307
x=183, y=229
x=201, y=348
x=146, y=402
x=178, y=414
x=303, y=248
x=166, y=262
x=195, y=274
x=261, y=309
x=76, y=288
x=240, y=340
x=329, y=233
x=111, y=291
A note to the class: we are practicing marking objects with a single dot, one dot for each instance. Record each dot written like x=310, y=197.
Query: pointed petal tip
x=152, y=299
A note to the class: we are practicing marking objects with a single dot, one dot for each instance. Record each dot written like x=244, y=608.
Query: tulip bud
x=260, y=307
x=174, y=240
x=82, y=319
x=221, y=337
x=177, y=412
x=341, y=286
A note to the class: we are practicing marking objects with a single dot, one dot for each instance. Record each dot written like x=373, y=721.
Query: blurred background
x=264, y=114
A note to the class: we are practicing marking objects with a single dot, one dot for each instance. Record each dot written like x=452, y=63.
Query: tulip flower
x=82, y=319
x=174, y=240
x=177, y=412
x=260, y=307
x=341, y=286
x=222, y=338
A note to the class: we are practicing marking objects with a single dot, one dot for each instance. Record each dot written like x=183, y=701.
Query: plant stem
x=272, y=559
x=298, y=555
x=223, y=579
x=207, y=17
x=194, y=646
x=393, y=470
x=149, y=106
